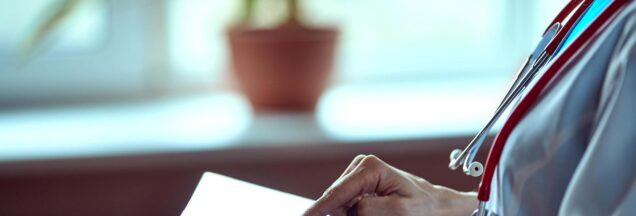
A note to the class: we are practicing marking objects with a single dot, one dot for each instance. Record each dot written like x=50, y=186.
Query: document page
x=222, y=195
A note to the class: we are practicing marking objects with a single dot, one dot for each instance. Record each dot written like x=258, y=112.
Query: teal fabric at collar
x=592, y=12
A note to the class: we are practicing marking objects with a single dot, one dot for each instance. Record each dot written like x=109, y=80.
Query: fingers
x=364, y=178
x=348, y=170
x=353, y=164
x=383, y=206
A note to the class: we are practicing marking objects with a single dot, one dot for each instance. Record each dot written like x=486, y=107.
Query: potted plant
x=285, y=68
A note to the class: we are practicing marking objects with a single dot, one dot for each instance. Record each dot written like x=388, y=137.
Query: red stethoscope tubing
x=533, y=95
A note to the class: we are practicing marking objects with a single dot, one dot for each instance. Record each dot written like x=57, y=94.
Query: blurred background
x=118, y=106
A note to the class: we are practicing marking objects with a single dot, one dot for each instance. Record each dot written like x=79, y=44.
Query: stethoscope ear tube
x=552, y=69
x=465, y=158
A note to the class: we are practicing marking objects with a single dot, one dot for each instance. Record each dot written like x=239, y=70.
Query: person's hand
x=369, y=186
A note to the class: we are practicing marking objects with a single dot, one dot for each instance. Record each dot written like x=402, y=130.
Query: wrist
x=452, y=202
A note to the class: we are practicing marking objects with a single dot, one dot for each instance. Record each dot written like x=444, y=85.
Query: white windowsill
x=222, y=120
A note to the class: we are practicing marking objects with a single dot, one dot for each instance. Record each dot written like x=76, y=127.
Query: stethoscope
x=552, y=39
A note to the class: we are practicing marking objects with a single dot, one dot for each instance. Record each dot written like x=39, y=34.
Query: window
x=101, y=49
x=140, y=47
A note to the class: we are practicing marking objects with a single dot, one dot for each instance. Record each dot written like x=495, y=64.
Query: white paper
x=222, y=195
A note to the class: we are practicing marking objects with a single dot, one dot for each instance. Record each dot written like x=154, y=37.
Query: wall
x=161, y=184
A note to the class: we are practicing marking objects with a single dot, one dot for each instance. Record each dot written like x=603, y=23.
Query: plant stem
x=248, y=12
x=55, y=14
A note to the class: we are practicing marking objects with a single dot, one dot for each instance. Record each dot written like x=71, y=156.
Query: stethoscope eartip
x=455, y=154
x=475, y=169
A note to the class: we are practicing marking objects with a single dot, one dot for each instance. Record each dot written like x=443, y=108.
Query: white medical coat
x=574, y=153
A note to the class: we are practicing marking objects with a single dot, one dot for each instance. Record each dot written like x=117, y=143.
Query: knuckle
x=374, y=165
x=373, y=157
x=357, y=159
x=371, y=160
x=330, y=192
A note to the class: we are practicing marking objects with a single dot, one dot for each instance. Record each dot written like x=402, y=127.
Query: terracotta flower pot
x=283, y=69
